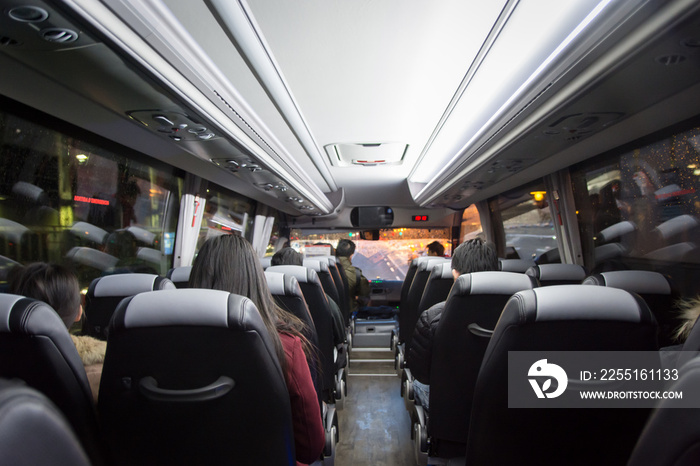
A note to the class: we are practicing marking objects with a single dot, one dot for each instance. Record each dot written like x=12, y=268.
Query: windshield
x=387, y=258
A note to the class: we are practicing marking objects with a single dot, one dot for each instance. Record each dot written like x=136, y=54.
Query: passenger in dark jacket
x=471, y=256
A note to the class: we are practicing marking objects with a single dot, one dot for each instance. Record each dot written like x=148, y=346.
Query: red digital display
x=420, y=218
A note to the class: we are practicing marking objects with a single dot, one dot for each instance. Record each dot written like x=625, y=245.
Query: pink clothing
x=309, y=435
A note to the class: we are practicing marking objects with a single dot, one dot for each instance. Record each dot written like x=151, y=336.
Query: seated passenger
x=357, y=283
x=689, y=313
x=58, y=287
x=471, y=256
x=229, y=263
x=436, y=249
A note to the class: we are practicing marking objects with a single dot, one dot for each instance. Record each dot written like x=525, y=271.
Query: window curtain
x=189, y=223
x=261, y=233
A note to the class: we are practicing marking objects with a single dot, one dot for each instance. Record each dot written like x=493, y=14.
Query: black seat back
x=557, y=274
x=515, y=265
x=191, y=377
x=437, y=287
x=288, y=295
x=180, y=276
x=324, y=275
x=671, y=436
x=653, y=287
x=403, y=304
x=318, y=306
x=558, y=318
x=33, y=431
x=37, y=349
x=105, y=293
x=265, y=262
x=344, y=303
x=415, y=293
x=471, y=312
x=346, y=288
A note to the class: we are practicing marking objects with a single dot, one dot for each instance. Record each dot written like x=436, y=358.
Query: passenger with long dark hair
x=229, y=263
x=58, y=287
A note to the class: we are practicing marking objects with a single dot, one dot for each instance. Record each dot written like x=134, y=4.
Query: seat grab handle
x=148, y=386
x=480, y=331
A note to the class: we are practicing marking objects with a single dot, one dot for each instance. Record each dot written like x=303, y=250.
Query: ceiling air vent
x=177, y=126
x=575, y=126
x=59, y=35
x=368, y=154
x=28, y=14
x=8, y=42
x=669, y=60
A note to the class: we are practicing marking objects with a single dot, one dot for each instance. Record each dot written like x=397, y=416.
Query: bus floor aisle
x=374, y=425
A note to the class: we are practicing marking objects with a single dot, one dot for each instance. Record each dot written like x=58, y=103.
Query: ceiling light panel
x=529, y=37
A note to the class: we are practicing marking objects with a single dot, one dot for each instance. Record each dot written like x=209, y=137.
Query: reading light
x=538, y=195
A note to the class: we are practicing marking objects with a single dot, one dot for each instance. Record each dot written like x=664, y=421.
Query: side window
x=640, y=208
x=527, y=222
x=69, y=201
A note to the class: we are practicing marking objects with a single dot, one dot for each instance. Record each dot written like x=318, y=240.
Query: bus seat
x=438, y=286
x=671, y=437
x=415, y=293
x=677, y=229
x=511, y=253
x=38, y=349
x=345, y=285
x=558, y=318
x=287, y=293
x=88, y=234
x=265, y=262
x=654, y=288
x=470, y=315
x=152, y=256
x=549, y=257
x=324, y=275
x=408, y=310
x=142, y=236
x=317, y=302
x=92, y=258
x=344, y=302
x=34, y=431
x=191, y=377
x=397, y=338
x=515, y=265
x=180, y=276
x=557, y=274
x=672, y=253
x=621, y=231
x=105, y=293
x=607, y=254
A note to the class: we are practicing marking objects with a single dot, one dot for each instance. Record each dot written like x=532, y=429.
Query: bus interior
x=566, y=135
